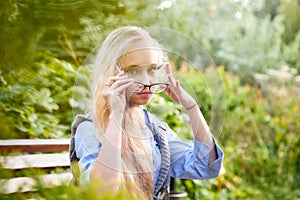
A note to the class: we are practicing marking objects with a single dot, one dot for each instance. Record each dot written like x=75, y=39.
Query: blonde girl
x=121, y=143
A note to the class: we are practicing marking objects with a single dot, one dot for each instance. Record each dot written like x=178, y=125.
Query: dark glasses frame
x=149, y=86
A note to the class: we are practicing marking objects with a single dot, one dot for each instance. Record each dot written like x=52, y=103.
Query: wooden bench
x=20, y=157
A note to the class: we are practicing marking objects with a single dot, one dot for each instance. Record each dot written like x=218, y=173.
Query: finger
x=171, y=80
x=112, y=79
x=168, y=69
x=177, y=83
x=122, y=88
x=117, y=88
x=121, y=73
x=121, y=82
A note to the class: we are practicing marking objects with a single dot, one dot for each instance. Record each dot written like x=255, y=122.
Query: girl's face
x=142, y=65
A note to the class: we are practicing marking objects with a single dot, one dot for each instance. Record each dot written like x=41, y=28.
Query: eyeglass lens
x=154, y=88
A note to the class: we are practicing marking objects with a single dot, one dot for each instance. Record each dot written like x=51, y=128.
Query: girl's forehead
x=145, y=66
x=142, y=57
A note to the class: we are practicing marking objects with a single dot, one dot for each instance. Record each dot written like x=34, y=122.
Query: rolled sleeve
x=201, y=153
x=191, y=161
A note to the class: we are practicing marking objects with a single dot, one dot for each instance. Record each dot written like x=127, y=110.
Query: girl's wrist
x=191, y=107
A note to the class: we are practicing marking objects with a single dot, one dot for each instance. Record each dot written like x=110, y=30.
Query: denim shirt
x=187, y=161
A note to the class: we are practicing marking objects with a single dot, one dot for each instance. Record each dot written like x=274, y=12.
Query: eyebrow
x=135, y=66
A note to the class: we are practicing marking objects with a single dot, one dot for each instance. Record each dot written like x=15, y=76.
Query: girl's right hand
x=114, y=92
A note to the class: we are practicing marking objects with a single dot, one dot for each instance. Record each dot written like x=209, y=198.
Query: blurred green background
x=254, y=44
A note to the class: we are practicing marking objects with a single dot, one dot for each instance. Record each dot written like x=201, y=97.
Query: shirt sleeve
x=191, y=161
x=87, y=148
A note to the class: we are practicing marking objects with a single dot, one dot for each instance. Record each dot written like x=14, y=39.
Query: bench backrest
x=21, y=155
x=34, y=145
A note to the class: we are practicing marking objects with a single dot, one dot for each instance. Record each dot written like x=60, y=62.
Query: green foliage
x=38, y=104
x=291, y=13
x=98, y=25
x=173, y=114
x=260, y=139
x=240, y=35
x=69, y=29
x=291, y=52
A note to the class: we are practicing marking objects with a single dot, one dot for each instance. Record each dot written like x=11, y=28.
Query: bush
x=241, y=35
x=259, y=137
x=38, y=103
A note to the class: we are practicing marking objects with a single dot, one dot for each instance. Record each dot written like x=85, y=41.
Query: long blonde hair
x=137, y=170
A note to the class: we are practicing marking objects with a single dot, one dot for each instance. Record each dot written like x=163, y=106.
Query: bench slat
x=34, y=145
x=27, y=184
x=35, y=161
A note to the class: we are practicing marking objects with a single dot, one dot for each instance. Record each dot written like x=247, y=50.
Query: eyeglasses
x=155, y=88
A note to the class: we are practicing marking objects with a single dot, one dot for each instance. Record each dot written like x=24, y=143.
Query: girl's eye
x=152, y=69
x=132, y=71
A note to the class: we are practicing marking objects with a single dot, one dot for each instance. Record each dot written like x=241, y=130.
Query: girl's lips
x=144, y=94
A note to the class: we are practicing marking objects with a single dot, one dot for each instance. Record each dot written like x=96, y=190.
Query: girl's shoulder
x=81, y=120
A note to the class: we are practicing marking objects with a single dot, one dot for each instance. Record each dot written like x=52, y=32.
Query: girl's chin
x=141, y=100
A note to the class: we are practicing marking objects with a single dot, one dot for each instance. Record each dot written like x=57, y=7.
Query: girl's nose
x=144, y=78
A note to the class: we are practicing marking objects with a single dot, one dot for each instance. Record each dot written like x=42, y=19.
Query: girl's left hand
x=176, y=92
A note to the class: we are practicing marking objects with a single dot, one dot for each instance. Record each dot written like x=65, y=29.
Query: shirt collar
x=147, y=118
